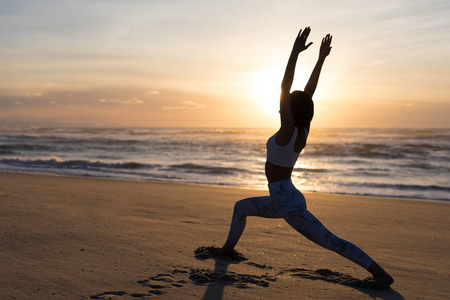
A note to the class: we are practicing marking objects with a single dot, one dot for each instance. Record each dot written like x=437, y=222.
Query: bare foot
x=384, y=279
x=227, y=249
x=379, y=274
x=223, y=252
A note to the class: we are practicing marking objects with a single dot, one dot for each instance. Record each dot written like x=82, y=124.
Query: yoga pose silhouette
x=283, y=149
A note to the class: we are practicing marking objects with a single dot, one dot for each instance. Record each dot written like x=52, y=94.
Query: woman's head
x=302, y=107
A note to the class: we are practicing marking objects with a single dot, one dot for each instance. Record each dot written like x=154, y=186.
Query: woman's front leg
x=256, y=206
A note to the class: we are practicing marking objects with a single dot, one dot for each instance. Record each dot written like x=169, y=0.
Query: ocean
x=412, y=163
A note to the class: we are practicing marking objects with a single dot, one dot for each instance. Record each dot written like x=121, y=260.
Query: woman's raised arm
x=285, y=99
x=325, y=49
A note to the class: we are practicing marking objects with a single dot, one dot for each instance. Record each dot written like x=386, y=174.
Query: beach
x=91, y=238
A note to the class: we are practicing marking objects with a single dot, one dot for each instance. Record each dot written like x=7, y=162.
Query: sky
x=208, y=63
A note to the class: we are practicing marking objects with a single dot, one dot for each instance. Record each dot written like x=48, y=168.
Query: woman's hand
x=325, y=48
x=300, y=41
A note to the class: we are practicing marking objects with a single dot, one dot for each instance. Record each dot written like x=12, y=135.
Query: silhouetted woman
x=283, y=149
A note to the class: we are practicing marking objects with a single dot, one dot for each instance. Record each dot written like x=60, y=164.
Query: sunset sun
x=266, y=90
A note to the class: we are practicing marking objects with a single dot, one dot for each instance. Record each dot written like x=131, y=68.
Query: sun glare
x=266, y=90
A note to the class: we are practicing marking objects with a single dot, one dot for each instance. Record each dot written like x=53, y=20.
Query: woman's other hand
x=300, y=41
x=325, y=48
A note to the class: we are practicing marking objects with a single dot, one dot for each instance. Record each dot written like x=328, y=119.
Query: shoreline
x=222, y=186
x=351, y=162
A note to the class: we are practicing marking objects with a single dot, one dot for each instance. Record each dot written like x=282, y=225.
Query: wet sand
x=89, y=238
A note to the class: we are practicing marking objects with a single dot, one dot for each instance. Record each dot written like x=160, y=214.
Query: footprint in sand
x=336, y=277
x=106, y=295
x=207, y=276
x=258, y=265
x=157, y=285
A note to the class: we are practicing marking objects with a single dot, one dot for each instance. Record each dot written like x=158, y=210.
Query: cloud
x=33, y=94
x=154, y=92
x=185, y=105
x=128, y=101
x=49, y=85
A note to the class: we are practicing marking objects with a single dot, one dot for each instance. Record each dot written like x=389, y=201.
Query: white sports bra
x=283, y=156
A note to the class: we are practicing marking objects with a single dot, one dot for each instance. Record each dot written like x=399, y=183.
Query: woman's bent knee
x=245, y=207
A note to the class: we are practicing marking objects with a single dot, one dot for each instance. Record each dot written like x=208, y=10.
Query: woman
x=283, y=149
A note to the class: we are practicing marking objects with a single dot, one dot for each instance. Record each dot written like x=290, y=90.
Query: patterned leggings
x=286, y=202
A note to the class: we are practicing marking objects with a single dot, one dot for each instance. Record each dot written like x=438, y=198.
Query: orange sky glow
x=220, y=63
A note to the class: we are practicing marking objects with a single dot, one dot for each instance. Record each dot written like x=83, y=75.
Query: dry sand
x=82, y=238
